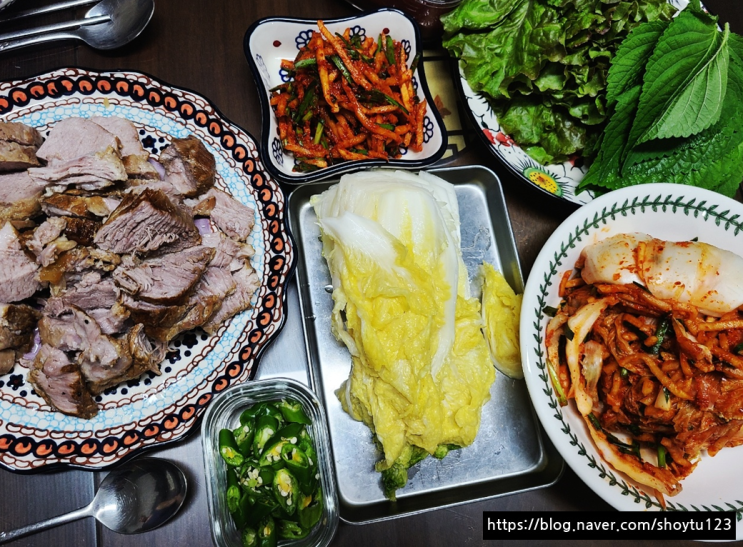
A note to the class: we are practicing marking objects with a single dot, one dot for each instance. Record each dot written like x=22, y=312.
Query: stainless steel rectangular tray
x=509, y=455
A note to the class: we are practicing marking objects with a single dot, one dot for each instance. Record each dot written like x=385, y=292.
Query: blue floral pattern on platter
x=152, y=409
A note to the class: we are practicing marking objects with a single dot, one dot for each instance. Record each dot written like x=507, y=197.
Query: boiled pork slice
x=91, y=207
x=18, y=272
x=19, y=196
x=17, y=325
x=92, y=172
x=247, y=282
x=147, y=222
x=98, y=297
x=81, y=230
x=18, y=145
x=102, y=359
x=72, y=265
x=47, y=231
x=73, y=138
x=166, y=279
x=232, y=217
x=147, y=353
x=189, y=166
x=133, y=155
x=230, y=254
x=60, y=383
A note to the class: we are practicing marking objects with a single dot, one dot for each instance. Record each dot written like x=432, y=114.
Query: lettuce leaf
x=548, y=60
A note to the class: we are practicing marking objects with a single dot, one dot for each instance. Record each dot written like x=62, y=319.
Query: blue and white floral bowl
x=270, y=40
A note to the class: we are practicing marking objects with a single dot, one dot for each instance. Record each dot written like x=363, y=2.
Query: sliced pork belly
x=247, y=282
x=92, y=172
x=232, y=217
x=166, y=279
x=189, y=166
x=81, y=230
x=72, y=265
x=60, y=382
x=91, y=207
x=18, y=272
x=18, y=145
x=17, y=325
x=133, y=155
x=146, y=222
x=48, y=231
x=102, y=359
x=230, y=254
x=73, y=138
x=19, y=196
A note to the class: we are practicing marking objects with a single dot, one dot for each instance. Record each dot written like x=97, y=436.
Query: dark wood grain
x=198, y=45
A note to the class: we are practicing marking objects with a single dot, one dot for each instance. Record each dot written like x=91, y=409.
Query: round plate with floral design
x=558, y=181
x=671, y=212
x=151, y=409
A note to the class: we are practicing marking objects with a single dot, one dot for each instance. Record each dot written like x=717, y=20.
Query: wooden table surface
x=198, y=45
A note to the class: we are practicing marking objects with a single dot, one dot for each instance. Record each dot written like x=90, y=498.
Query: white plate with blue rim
x=268, y=41
x=666, y=211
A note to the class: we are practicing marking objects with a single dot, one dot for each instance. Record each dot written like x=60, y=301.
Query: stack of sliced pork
x=107, y=255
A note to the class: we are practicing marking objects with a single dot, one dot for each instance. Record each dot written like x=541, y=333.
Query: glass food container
x=224, y=412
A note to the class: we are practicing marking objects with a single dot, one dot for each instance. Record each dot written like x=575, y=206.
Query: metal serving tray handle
x=510, y=453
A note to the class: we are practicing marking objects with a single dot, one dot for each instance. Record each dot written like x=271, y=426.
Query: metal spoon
x=107, y=25
x=136, y=497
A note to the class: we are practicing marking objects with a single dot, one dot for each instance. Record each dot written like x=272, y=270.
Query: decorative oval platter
x=152, y=409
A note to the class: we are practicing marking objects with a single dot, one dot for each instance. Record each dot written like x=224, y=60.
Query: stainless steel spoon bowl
x=107, y=25
x=136, y=497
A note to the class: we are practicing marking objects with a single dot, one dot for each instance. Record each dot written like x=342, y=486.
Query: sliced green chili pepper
x=296, y=461
x=387, y=126
x=244, y=437
x=390, y=51
x=623, y=372
x=306, y=63
x=272, y=451
x=340, y=66
x=253, y=478
x=738, y=348
x=291, y=530
x=242, y=513
x=293, y=412
x=286, y=490
x=233, y=492
x=310, y=509
x=265, y=429
x=228, y=448
x=262, y=508
x=569, y=334
x=267, y=536
x=379, y=45
x=249, y=537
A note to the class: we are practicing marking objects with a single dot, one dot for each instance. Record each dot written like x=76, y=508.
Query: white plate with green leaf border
x=665, y=211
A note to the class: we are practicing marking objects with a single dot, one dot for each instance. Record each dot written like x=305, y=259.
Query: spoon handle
x=57, y=27
x=48, y=9
x=43, y=525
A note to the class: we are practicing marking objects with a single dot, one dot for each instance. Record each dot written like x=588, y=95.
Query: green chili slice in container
x=228, y=448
